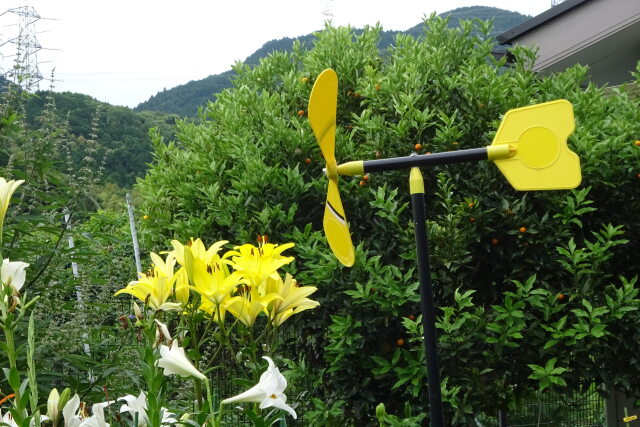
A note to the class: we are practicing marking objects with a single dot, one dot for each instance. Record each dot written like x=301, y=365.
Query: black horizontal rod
x=394, y=163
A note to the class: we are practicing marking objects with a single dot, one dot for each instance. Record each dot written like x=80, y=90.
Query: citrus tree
x=534, y=290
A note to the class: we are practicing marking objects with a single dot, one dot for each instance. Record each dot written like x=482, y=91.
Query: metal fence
x=583, y=408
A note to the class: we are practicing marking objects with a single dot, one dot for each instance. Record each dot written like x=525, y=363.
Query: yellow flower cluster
x=244, y=282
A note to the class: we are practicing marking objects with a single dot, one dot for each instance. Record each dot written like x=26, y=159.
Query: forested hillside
x=185, y=100
x=120, y=136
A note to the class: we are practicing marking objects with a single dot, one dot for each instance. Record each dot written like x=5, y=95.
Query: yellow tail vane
x=537, y=136
x=336, y=228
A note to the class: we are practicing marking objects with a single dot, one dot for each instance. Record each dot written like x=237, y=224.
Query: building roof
x=539, y=20
x=601, y=34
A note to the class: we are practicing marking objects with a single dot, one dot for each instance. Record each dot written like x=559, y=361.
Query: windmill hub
x=332, y=169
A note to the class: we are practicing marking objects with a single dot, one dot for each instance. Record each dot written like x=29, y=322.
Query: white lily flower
x=138, y=405
x=72, y=418
x=13, y=274
x=8, y=419
x=174, y=361
x=70, y=412
x=97, y=419
x=135, y=405
x=268, y=392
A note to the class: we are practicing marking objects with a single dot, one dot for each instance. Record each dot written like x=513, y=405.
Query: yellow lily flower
x=198, y=250
x=218, y=312
x=6, y=191
x=181, y=287
x=256, y=264
x=156, y=287
x=153, y=290
x=293, y=298
x=247, y=307
x=162, y=267
x=214, y=282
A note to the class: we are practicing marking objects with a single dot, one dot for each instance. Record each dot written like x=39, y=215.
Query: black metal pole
x=416, y=185
x=447, y=157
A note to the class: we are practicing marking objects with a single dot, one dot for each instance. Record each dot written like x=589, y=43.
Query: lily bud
x=162, y=333
x=53, y=406
x=137, y=311
x=381, y=413
x=64, y=397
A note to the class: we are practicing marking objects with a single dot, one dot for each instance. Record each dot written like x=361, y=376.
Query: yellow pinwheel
x=322, y=117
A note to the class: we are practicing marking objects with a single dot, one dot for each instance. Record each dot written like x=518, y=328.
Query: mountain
x=121, y=135
x=184, y=100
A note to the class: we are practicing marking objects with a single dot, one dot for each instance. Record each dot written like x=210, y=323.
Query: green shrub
x=520, y=279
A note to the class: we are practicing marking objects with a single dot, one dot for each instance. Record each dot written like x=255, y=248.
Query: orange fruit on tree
x=472, y=219
x=560, y=296
x=300, y=113
x=522, y=229
x=418, y=147
x=362, y=183
x=495, y=241
x=145, y=217
x=400, y=342
x=307, y=160
x=365, y=178
x=637, y=143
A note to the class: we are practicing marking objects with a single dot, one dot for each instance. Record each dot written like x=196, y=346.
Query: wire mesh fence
x=582, y=408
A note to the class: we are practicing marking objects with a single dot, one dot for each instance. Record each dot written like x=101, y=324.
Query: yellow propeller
x=322, y=116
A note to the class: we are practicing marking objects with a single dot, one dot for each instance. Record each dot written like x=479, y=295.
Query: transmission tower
x=327, y=10
x=25, y=72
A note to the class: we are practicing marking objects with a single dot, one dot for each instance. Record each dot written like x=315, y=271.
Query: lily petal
x=174, y=361
x=254, y=394
x=278, y=401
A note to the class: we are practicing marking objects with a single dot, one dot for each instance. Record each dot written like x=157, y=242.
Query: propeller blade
x=541, y=159
x=336, y=228
x=322, y=113
x=322, y=117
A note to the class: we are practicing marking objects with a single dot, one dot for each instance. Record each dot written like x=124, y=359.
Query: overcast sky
x=124, y=51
